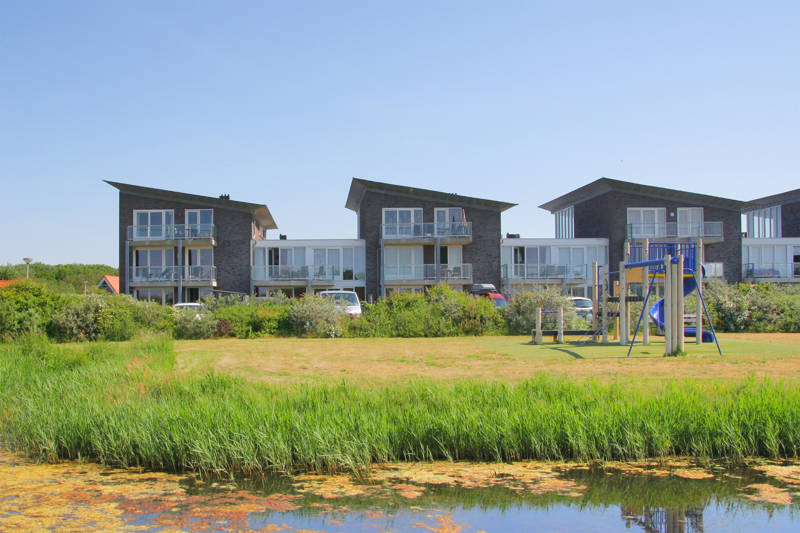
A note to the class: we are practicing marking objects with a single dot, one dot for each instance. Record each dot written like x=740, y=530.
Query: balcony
x=427, y=273
x=774, y=271
x=674, y=230
x=542, y=272
x=288, y=274
x=170, y=274
x=173, y=232
x=428, y=231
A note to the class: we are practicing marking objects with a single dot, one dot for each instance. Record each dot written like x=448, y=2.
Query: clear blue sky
x=282, y=103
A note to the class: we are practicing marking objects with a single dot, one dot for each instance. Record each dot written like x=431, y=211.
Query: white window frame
x=659, y=226
x=687, y=228
x=397, y=233
x=565, y=223
x=194, y=230
x=765, y=223
x=444, y=228
x=149, y=234
x=405, y=271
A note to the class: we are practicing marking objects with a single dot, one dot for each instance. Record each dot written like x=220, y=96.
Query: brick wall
x=483, y=253
x=607, y=216
x=234, y=229
x=790, y=220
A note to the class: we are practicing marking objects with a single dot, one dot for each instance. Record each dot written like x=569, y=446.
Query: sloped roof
x=259, y=211
x=604, y=185
x=788, y=197
x=111, y=281
x=7, y=282
x=358, y=187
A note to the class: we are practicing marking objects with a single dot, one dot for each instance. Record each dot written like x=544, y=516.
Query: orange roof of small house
x=112, y=281
x=7, y=282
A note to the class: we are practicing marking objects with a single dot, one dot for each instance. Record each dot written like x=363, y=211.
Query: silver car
x=583, y=308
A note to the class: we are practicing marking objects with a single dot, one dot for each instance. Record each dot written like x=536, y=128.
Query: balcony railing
x=545, y=271
x=200, y=273
x=674, y=229
x=171, y=273
x=303, y=273
x=424, y=230
x=771, y=270
x=172, y=232
x=427, y=272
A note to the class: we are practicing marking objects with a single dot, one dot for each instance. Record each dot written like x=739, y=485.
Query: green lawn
x=507, y=359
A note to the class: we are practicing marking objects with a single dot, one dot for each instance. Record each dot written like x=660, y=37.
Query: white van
x=347, y=301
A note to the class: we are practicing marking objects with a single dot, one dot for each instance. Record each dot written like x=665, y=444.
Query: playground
x=675, y=268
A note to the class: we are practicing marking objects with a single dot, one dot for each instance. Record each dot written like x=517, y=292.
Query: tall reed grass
x=121, y=404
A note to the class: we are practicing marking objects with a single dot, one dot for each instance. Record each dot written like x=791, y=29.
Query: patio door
x=690, y=222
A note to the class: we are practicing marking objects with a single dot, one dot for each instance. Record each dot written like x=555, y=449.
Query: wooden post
x=667, y=311
x=537, y=338
x=595, y=299
x=680, y=308
x=624, y=329
x=604, y=311
x=560, y=325
x=698, y=272
x=646, y=284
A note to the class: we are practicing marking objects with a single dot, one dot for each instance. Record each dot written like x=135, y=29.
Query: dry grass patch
x=506, y=359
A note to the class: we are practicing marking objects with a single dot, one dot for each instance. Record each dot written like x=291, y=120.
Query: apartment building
x=415, y=238
x=634, y=217
x=771, y=243
x=295, y=267
x=178, y=247
x=564, y=264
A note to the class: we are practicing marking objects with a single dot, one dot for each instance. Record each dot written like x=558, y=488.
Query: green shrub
x=26, y=307
x=76, y=320
x=253, y=320
x=313, y=316
x=521, y=314
x=189, y=324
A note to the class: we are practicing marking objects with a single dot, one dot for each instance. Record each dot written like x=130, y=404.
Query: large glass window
x=402, y=222
x=690, y=222
x=199, y=222
x=647, y=222
x=764, y=223
x=153, y=264
x=565, y=223
x=403, y=262
x=450, y=220
x=153, y=224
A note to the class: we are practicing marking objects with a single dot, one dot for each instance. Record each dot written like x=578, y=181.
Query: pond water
x=673, y=496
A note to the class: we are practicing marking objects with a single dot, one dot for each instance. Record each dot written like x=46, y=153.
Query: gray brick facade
x=606, y=216
x=236, y=228
x=790, y=219
x=483, y=252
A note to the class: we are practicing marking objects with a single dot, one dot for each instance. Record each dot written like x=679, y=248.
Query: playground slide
x=657, y=311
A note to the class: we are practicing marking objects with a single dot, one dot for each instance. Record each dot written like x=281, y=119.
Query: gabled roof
x=109, y=282
x=6, y=282
x=788, y=197
x=358, y=187
x=259, y=211
x=604, y=185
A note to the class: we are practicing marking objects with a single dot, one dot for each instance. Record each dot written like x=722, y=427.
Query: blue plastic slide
x=657, y=311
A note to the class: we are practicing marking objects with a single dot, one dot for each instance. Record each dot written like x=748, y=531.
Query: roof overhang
x=259, y=211
x=359, y=187
x=604, y=185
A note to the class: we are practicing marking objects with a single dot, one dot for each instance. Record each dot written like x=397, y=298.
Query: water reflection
x=670, y=520
x=445, y=497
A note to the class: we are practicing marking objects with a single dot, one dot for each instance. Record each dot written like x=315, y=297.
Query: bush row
x=31, y=308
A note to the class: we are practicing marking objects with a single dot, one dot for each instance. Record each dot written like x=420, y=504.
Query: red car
x=489, y=291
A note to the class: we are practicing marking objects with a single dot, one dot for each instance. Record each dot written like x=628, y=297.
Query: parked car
x=488, y=290
x=198, y=308
x=347, y=301
x=583, y=308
